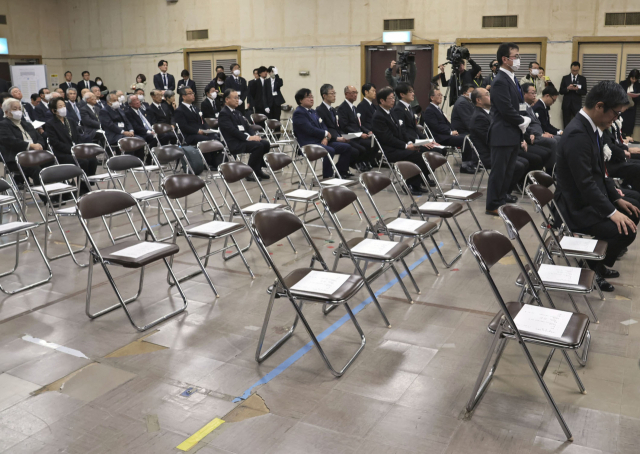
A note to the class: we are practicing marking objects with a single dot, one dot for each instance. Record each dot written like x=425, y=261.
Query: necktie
x=354, y=111
x=164, y=78
x=95, y=111
x=144, y=121
x=86, y=83
x=75, y=108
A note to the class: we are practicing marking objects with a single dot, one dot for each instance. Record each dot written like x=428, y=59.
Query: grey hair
x=324, y=90
x=71, y=89
x=168, y=94
x=87, y=95
x=130, y=98
x=346, y=89
x=15, y=86
x=111, y=97
x=6, y=105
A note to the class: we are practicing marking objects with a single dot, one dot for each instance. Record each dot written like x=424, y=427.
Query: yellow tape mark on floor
x=199, y=435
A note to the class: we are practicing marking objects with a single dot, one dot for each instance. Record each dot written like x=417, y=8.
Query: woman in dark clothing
x=102, y=86
x=632, y=86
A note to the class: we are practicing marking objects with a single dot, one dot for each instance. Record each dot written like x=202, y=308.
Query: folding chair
x=130, y=254
x=9, y=198
x=488, y=247
x=175, y=187
x=164, y=128
x=167, y=156
x=436, y=161
x=88, y=151
x=515, y=219
x=479, y=168
x=384, y=253
x=405, y=170
x=212, y=146
x=269, y=227
x=32, y=158
x=273, y=127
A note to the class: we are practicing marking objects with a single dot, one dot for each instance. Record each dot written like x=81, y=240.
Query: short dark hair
x=634, y=73
x=504, y=50
x=533, y=63
x=383, y=94
x=184, y=73
x=466, y=87
x=53, y=103
x=403, y=88
x=300, y=94
x=324, y=89
x=541, y=67
x=262, y=69
x=41, y=91
x=551, y=91
x=67, y=72
x=233, y=65
x=162, y=62
x=227, y=93
x=270, y=68
x=525, y=87
x=255, y=70
x=607, y=92
x=85, y=72
x=34, y=96
x=366, y=87
x=220, y=66
x=432, y=92
x=139, y=89
x=475, y=95
x=183, y=90
x=221, y=76
x=142, y=77
x=576, y=63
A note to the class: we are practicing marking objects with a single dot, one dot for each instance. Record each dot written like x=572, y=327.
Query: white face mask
x=115, y=105
x=121, y=98
x=535, y=72
x=220, y=82
x=236, y=72
x=62, y=112
x=141, y=97
x=516, y=64
x=47, y=97
x=213, y=95
x=99, y=82
x=16, y=114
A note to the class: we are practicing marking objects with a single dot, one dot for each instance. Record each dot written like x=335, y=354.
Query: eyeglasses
x=617, y=114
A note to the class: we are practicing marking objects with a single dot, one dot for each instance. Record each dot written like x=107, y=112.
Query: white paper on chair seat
x=52, y=187
x=259, y=206
x=144, y=194
x=4, y=198
x=578, y=244
x=352, y=135
x=322, y=282
x=405, y=225
x=422, y=141
x=542, y=320
x=140, y=249
x=213, y=227
x=336, y=181
x=458, y=193
x=100, y=176
x=374, y=247
x=12, y=225
x=435, y=206
x=71, y=210
x=302, y=193
x=559, y=274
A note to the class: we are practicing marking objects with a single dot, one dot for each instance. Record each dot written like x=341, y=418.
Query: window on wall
x=398, y=24
x=499, y=21
x=618, y=19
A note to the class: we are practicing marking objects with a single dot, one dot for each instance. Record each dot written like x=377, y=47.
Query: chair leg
x=404, y=288
x=17, y=261
x=473, y=215
x=582, y=359
x=457, y=257
x=593, y=313
x=575, y=374
x=260, y=358
x=415, y=285
x=433, y=265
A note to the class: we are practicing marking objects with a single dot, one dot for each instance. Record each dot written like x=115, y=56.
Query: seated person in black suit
x=42, y=112
x=191, y=123
x=89, y=117
x=349, y=122
x=588, y=200
x=159, y=111
x=617, y=159
x=139, y=122
x=239, y=137
x=366, y=108
x=439, y=124
x=396, y=147
x=27, y=107
x=406, y=118
x=115, y=123
x=101, y=103
x=139, y=92
x=62, y=135
x=541, y=143
x=460, y=116
x=209, y=106
x=541, y=108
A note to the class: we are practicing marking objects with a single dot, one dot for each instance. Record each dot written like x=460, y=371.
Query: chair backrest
x=540, y=194
x=34, y=158
x=258, y=118
x=407, y=169
x=161, y=128
x=123, y=162
x=515, y=218
x=542, y=178
x=87, y=150
x=274, y=125
x=256, y=128
x=103, y=202
x=234, y=171
x=131, y=144
x=168, y=153
x=434, y=159
x=60, y=172
x=210, y=146
x=274, y=225
x=4, y=186
x=374, y=181
x=277, y=160
x=338, y=197
x=314, y=152
x=182, y=185
x=489, y=246
x=211, y=122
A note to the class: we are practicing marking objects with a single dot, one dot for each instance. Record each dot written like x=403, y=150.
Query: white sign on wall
x=29, y=78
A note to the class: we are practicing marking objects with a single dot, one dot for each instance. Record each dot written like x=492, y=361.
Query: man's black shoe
x=431, y=182
x=511, y=198
x=251, y=178
x=414, y=191
x=467, y=169
x=348, y=175
x=261, y=175
x=604, y=285
x=607, y=273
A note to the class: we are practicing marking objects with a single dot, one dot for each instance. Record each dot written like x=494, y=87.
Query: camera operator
x=411, y=75
x=459, y=74
x=488, y=81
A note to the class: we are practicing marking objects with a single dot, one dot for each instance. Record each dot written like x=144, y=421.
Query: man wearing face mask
x=121, y=99
x=219, y=84
x=239, y=84
x=535, y=77
x=275, y=100
x=507, y=126
x=209, y=106
x=139, y=92
x=115, y=123
x=42, y=112
x=27, y=108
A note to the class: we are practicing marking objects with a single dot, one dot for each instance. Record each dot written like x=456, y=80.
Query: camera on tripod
x=456, y=55
x=404, y=58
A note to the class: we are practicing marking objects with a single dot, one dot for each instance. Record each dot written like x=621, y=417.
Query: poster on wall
x=29, y=78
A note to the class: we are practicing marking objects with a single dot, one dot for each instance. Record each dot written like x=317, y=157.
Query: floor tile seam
x=440, y=306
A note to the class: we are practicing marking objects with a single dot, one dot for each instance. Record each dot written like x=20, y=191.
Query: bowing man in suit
x=115, y=123
x=163, y=80
x=86, y=81
x=67, y=84
x=573, y=87
x=310, y=129
x=349, y=122
x=159, y=111
x=588, y=200
x=191, y=123
x=396, y=147
x=29, y=107
x=541, y=109
x=507, y=126
x=329, y=117
x=239, y=136
x=209, y=106
x=439, y=124
x=239, y=84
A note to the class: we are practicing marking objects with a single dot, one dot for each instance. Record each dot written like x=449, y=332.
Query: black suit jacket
x=109, y=119
x=250, y=89
x=330, y=120
x=136, y=122
x=583, y=194
x=541, y=111
x=188, y=121
x=388, y=132
x=437, y=122
x=29, y=108
x=230, y=124
x=189, y=83
x=66, y=85
x=461, y=114
x=159, y=85
x=42, y=112
x=4, y=85
x=573, y=97
x=208, y=108
x=274, y=86
x=409, y=129
x=348, y=120
x=479, y=133
x=160, y=115
x=505, y=112
x=366, y=111
x=71, y=114
x=89, y=118
x=81, y=86
x=259, y=95
x=239, y=85
x=13, y=141
x=61, y=136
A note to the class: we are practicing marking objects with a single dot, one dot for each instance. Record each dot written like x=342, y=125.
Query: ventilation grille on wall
x=398, y=24
x=499, y=21
x=197, y=34
x=3, y=19
x=622, y=19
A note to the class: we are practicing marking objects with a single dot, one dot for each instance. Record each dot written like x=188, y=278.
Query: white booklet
x=352, y=135
x=213, y=227
x=37, y=124
x=578, y=244
x=435, y=205
x=559, y=274
x=211, y=131
x=373, y=247
x=259, y=206
x=458, y=193
x=302, y=193
x=542, y=320
x=422, y=141
x=140, y=249
x=144, y=194
x=12, y=225
x=336, y=182
x=323, y=282
x=405, y=225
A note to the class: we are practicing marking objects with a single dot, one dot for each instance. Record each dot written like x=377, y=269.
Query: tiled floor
x=404, y=394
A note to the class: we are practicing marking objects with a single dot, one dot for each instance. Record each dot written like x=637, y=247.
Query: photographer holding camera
x=488, y=81
x=406, y=67
x=459, y=74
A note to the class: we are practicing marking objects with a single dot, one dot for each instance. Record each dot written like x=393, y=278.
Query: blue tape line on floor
x=326, y=333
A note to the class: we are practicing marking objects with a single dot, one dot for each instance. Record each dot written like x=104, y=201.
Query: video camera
x=404, y=58
x=456, y=55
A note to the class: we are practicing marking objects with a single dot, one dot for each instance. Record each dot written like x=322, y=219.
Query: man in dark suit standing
x=239, y=137
x=186, y=81
x=274, y=93
x=507, y=126
x=541, y=109
x=249, y=103
x=67, y=84
x=163, y=80
x=588, y=200
x=349, y=122
x=259, y=93
x=367, y=108
x=239, y=84
x=86, y=81
x=573, y=87
x=191, y=123
x=309, y=129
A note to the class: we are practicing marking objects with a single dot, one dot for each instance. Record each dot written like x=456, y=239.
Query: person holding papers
x=350, y=124
x=407, y=120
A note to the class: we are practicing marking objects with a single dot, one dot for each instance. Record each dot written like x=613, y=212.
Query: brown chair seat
x=448, y=212
x=204, y=234
x=571, y=338
x=470, y=198
x=584, y=284
x=108, y=254
x=11, y=227
x=397, y=251
x=346, y=290
x=423, y=229
x=599, y=251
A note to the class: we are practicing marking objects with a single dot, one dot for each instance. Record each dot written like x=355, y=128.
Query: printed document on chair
x=559, y=274
x=323, y=282
x=259, y=206
x=458, y=193
x=213, y=227
x=302, y=193
x=140, y=249
x=405, y=225
x=578, y=244
x=336, y=182
x=542, y=320
x=438, y=206
x=373, y=247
